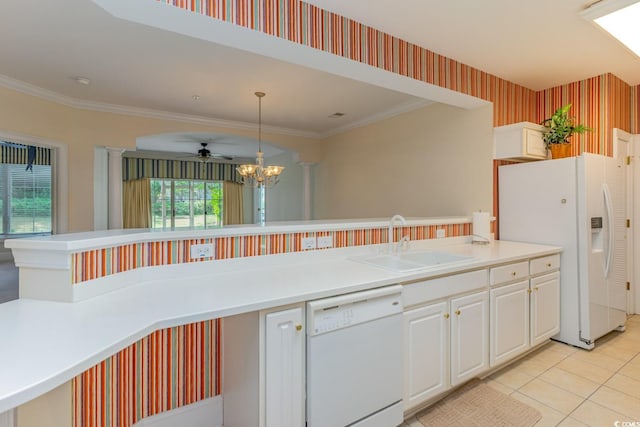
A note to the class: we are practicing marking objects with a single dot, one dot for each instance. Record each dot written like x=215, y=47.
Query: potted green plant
x=558, y=128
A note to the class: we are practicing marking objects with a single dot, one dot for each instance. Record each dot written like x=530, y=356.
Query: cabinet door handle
x=298, y=328
x=458, y=312
x=528, y=291
x=446, y=315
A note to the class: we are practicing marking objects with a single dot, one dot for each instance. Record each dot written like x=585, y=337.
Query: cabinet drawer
x=544, y=264
x=507, y=273
x=442, y=287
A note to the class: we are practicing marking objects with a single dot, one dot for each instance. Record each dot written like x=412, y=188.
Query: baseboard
x=206, y=413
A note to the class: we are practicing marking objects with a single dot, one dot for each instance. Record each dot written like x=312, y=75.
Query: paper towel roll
x=481, y=227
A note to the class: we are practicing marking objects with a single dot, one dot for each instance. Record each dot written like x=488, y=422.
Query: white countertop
x=45, y=344
x=105, y=238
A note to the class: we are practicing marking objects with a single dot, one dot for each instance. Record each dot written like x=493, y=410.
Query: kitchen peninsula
x=87, y=298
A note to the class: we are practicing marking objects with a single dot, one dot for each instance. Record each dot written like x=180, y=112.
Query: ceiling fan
x=204, y=154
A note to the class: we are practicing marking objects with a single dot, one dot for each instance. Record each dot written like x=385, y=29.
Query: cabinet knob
x=298, y=328
x=548, y=265
x=514, y=274
x=528, y=291
x=458, y=312
x=446, y=315
x=535, y=289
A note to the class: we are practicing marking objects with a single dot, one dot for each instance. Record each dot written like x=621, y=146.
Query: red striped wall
x=311, y=26
x=125, y=387
x=635, y=109
x=601, y=103
x=97, y=263
x=170, y=368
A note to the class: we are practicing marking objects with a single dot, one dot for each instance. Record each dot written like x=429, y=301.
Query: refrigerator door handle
x=610, y=234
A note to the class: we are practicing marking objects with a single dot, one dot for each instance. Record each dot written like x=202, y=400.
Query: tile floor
x=575, y=387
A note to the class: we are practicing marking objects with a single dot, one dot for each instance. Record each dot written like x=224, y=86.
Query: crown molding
x=102, y=107
x=395, y=111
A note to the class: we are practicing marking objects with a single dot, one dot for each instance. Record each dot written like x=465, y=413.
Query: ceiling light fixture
x=619, y=18
x=259, y=175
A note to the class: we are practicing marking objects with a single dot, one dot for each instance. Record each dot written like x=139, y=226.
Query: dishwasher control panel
x=343, y=311
x=333, y=318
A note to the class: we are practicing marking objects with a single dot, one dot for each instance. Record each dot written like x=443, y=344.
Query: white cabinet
x=469, y=336
x=519, y=141
x=426, y=364
x=264, y=368
x=284, y=368
x=545, y=307
x=525, y=306
x=509, y=321
x=446, y=342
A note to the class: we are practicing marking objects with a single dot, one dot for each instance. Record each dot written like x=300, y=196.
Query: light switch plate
x=325, y=242
x=204, y=250
x=308, y=243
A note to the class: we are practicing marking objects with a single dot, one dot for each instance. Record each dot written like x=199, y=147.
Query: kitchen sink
x=409, y=261
x=432, y=258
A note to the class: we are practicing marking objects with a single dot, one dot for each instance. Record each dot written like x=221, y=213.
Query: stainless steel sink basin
x=409, y=261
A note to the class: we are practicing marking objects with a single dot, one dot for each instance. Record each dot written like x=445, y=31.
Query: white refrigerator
x=577, y=203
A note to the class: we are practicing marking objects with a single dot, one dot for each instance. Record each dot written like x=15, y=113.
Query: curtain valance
x=135, y=168
x=13, y=153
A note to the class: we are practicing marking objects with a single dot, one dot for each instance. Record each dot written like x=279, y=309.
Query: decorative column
x=306, y=189
x=115, y=187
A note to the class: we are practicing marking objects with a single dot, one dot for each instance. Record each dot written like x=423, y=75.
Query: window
x=25, y=199
x=181, y=203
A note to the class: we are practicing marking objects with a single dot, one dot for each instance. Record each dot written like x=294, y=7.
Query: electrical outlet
x=308, y=243
x=325, y=242
x=202, y=251
x=441, y=233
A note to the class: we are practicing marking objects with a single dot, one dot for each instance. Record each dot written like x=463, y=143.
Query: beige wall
x=435, y=161
x=52, y=409
x=83, y=130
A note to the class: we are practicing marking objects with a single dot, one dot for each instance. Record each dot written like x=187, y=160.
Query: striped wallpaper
x=601, y=103
x=311, y=26
x=635, y=109
x=93, y=264
x=127, y=386
x=165, y=370
x=135, y=168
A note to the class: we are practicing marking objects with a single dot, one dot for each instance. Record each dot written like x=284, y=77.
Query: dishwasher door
x=354, y=370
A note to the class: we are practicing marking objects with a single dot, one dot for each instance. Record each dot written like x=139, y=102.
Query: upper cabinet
x=520, y=141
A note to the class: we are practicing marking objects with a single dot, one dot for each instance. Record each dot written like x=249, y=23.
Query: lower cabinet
x=545, y=307
x=264, y=368
x=509, y=321
x=469, y=336
x=524, y=314
x=426, y=364
x=446, y=343
x=284, y=368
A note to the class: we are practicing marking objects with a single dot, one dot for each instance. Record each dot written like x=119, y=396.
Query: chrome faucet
x=390, y=240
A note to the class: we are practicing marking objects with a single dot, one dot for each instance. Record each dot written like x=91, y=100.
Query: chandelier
x=259, y=175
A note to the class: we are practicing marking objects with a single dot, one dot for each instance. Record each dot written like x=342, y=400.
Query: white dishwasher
x=354, y=359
